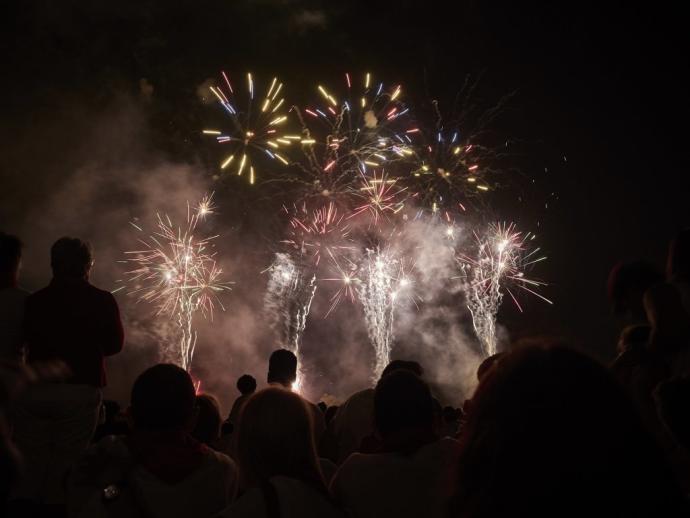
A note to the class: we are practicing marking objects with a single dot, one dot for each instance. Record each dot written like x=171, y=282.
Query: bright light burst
x=314, y=233
x=288, y=301
x=360, y=125
x=255, y=134
x=502, y=258
x=379, y=195
x=381, y=281
x=176, y=271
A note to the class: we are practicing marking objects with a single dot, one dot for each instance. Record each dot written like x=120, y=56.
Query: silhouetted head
x=627, y=284
x=282, y=368
x=246, y=384
x=667, y=316
x=407, y=365
x=403, y=405
x=550, y=433
x=678, y=262
x=487, y=363
x=330, y=413
x=635, y=337
x=10, y=259
x=208, y=420
x=275, y=437
x=163, y=398
x=71, y=257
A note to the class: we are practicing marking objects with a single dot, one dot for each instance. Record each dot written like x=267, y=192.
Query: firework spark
x=254, y=135
x=288, y=301
x=317, y=232
x=363, y=126
x=380, y=196
x=501, y=260
x=381, y=281
x=177, y=272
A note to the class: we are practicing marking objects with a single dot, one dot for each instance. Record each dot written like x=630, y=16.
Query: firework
x=379, y=286
x=254, y=134
x=314, y=233
x=344, y=275
x=176, y=271
x=351, y=129
x=378, y=195
x=288, y=301
x=502, y=257
x=456, y=160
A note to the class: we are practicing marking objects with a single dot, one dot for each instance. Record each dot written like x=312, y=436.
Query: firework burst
x=314, y=233
x=378, y=195
x=380, y=284
x=360, y=125
x=502, y=258
x=254, y=135
x=176, y=271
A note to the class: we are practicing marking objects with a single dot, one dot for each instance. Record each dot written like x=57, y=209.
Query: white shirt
x=203, y=493
x=392, y=484
x=11, y=318
x=296, y=500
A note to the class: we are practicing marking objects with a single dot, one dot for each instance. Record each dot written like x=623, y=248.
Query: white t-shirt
x=391, y=484
x=296, y=500
x=203, y=493
x=12, y=302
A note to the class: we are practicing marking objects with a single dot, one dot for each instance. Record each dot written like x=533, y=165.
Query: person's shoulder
x=14, y=294
x=220, y=460
x=39, y=294
x=251, y=503
x=98, y=292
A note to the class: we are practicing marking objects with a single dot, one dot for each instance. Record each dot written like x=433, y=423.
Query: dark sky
x=600, y=100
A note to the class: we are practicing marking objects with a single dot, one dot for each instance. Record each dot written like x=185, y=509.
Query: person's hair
x=10, y=253
x=629, y=277
x=330, y=413
x=208, y=420
x=246, y=384
x=402, y=401
x=282, y=367
x=275, y=437
x=678, y=261
x=634, y=337
x=549, y=433
x=71, y=257
x=408, y=365
x=163, y=398
x=487, y=363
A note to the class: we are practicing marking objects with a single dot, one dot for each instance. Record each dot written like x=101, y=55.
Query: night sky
x=598, y=106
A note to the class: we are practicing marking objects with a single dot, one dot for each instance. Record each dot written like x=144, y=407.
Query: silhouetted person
x=159, y=470
x=278, y=461
x=627, y=284
x=246, y=384
x=71, y=322
x=411, y=475
x=207, y=427
x=552, y=434
x=669, y=337
x=354, y=420
x=678, y=265
x=282, y=372
x=12, y=299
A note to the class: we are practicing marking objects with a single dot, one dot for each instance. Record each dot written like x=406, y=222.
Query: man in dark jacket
x=72, y=323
